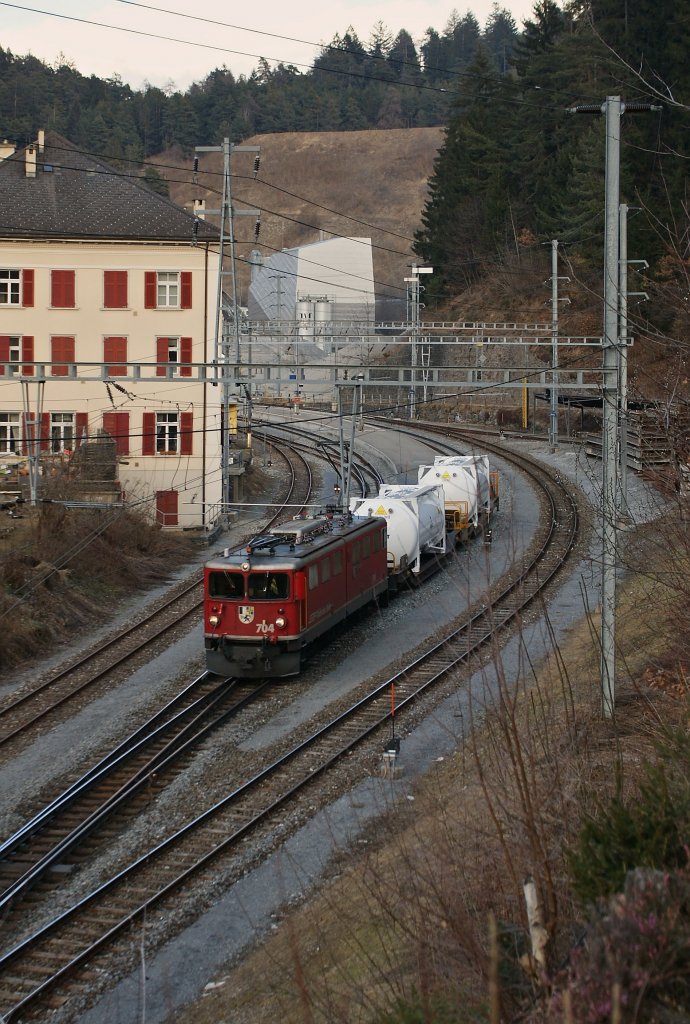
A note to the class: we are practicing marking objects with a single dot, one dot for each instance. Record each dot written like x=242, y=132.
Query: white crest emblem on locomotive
x=246, y=613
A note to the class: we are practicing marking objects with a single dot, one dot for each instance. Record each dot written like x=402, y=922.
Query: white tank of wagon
x=415, y=521
x=466, y=481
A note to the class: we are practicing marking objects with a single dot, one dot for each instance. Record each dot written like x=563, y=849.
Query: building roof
x=75, y=195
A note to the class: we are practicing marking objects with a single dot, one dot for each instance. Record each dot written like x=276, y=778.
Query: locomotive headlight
x=246, y=566
x=281, y=621
x=214, y=620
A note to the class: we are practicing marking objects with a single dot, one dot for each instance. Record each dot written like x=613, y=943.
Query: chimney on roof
x=6, y=149
x=31, y=160
x=200, y=208
x=41, y=141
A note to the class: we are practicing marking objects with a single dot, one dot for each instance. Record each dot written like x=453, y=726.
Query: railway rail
x=120, y=783
x=45, y=966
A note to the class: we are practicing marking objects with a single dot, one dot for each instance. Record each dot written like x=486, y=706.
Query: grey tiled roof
x=75, y=195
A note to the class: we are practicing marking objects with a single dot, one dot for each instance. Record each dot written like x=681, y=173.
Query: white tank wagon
x=415, y=522
x=469, y=485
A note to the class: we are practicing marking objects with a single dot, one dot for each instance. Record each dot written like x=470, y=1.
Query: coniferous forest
x=516, y=164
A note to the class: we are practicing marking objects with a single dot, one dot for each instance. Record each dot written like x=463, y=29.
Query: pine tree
x=470, y=189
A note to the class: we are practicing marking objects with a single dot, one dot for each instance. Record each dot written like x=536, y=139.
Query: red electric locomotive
x=266, y=601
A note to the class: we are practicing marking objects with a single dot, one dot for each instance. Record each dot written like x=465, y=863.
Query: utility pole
x=221, y=339
x=414, y=315
x=346, y=451
x=33, y=441
x=612, y=109
x=553, y=418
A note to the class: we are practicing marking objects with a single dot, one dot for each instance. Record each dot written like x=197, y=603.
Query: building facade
x=107, y=318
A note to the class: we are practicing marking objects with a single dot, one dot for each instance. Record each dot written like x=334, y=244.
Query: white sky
x=138, y=59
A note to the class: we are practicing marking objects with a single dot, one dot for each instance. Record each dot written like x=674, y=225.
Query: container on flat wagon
x=479, y=469
x=415, y=522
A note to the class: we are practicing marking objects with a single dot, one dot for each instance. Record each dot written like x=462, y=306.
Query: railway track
x=44, y=968
x=90, y=812
x=70, y=688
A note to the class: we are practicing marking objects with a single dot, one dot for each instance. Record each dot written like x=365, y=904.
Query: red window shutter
x=148, y=434
x=82, y=428
x=186, y=433
x=185, y=356
x=117, y=425
x=62, y=352
x=62, y=289
x=4, y=353
x=161, y=356
x=45, y=431
x=186, y=289
x=150, y=289
x=115, y=289
x=115, y=349
x=28, y=355
x=27, y=287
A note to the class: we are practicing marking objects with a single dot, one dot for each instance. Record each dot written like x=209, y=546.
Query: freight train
x=266, y=602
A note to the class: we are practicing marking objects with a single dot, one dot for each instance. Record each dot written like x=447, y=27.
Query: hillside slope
x=311, y=185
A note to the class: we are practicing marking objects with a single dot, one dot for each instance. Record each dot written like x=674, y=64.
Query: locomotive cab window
x=313, y=577
x=355, y=553
x=366, y=547
x=267, y=586
x=225, y=584
x=325, y=570
x=337, y=563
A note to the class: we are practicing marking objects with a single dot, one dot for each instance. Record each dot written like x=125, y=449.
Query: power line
x=492, y=78
x=217, y=49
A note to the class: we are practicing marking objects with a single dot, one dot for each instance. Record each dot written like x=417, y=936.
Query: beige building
x=107, y=322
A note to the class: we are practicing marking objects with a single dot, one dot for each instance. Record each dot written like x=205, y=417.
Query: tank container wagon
x=471, y=490
x=415, y=524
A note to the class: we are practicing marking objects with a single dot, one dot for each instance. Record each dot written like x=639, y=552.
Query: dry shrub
x=55, y=581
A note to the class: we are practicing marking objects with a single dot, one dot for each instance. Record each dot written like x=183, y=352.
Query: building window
x=16, y=350
x=167, y=433
x=62, y=431
x=10, y=291
x=14, y=353
x=114, y=289
x=115, y=356
x=62, y=352
x=117, y=425
x=168, y=289
x=62, y=289
x=173, y=356
x=167, y=356
x=10, y=442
